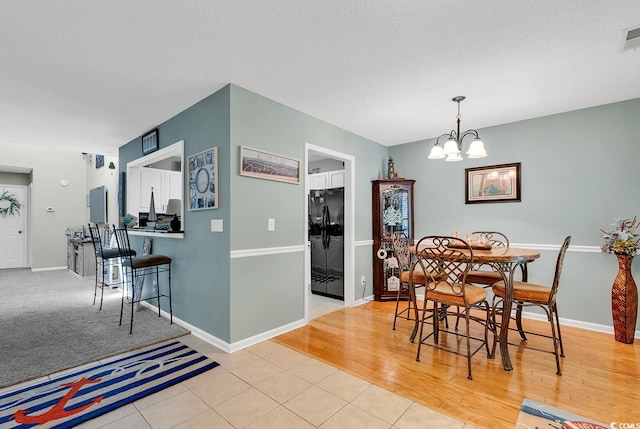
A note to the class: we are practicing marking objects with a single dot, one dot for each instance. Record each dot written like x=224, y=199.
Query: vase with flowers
x=623, y=240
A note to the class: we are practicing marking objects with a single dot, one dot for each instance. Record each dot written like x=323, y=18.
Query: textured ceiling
x=90, y=75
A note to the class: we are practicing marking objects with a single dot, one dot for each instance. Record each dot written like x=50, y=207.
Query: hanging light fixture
x=453, y=145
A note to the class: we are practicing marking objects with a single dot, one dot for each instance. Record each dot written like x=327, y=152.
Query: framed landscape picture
x=265, y=165
x=493, y=184
x=203, y=180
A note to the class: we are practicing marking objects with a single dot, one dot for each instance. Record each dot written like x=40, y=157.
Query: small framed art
x=203, y=180
x=150, y=142
x=493, y=184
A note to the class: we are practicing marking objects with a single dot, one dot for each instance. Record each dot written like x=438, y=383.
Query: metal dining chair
x=487, y=277
x=136, y=267
x=447, y=261
x=103, y=257
x=535, y=295
x=401, y=252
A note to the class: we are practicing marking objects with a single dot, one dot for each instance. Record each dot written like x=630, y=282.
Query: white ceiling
x=91, y=75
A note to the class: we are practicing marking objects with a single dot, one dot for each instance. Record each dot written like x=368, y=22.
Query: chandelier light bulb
x=451, y=147
x=476, y=150
x=436, y=152
x=454, y=157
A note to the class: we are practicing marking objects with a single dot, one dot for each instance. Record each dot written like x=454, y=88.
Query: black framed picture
x=493, y=184
x=150, y=142
x=99, y=161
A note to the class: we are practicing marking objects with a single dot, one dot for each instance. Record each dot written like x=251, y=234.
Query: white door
x=13, y=234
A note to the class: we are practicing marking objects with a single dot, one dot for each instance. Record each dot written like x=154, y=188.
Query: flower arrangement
x=623, y=239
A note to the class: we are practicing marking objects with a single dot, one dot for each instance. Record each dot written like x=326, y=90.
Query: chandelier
x=453, y=145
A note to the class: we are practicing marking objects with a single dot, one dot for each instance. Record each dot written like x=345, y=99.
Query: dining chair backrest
x=496, y=239
x=446, y=260
x=94, y=231
x=559, y=263
x=124, y=247
x=401, y=250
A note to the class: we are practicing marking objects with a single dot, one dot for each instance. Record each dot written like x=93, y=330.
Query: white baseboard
x=36, y=270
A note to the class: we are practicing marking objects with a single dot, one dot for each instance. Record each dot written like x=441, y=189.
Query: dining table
x=504, y=260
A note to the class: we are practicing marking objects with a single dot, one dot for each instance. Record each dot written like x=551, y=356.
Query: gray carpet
x=48, y=324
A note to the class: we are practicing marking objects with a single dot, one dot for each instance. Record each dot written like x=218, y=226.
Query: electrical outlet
x=363, y=280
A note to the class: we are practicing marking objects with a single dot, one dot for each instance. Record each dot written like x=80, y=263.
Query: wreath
x=14, y=205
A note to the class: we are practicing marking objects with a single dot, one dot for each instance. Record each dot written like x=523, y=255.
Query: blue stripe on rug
x=81, y=395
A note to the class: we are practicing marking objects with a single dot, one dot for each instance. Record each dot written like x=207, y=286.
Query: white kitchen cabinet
x=166, y=184
x=327, y=180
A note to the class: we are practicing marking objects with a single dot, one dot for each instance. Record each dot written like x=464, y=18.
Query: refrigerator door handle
x=326, y=227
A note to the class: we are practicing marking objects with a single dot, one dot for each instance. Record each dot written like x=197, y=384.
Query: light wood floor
x=601, y=377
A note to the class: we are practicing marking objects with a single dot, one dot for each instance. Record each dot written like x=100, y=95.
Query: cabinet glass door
x=395, y=210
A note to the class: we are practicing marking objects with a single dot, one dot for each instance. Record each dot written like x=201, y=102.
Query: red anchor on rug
x=58, y=411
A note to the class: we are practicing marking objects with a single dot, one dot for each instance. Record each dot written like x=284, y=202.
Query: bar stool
x=138, y=267
x=102, y=256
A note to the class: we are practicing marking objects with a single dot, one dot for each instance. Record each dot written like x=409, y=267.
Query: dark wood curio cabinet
x=392, y=201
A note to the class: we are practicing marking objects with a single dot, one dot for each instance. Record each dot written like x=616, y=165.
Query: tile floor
x=271, y=386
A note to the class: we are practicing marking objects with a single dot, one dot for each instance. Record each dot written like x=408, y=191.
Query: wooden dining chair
x=447, y=261
x=136, y=267
x=534, y=295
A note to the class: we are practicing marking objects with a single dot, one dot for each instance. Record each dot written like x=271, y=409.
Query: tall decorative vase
x=624, y=301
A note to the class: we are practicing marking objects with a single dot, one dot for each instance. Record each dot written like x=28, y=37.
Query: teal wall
x=200, y=266
x=236, y=285
x=579, y=172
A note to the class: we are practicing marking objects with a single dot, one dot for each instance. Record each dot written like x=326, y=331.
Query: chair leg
x=170, y=304
x=424, y=310
x=555, y=312
x=102, y=288
x=555, y=341
x=494, y=306
x=466, y=319
x=124, y=290
x=397, y=304
x=95, y=289
x=158, y=290
x=133, y=299
x=520, y=306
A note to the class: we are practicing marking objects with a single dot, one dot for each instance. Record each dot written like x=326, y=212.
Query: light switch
x=271, y=224
x=217, y=225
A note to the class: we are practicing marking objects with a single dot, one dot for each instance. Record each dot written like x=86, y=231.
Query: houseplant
x=623, y=240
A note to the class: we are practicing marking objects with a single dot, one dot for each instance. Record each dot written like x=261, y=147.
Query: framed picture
x=150, y=142
x=266, y=165
x=493, y=184
x=203, y=180
x=99, y=161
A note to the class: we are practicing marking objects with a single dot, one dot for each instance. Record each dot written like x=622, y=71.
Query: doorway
x=13, y=227
x=323, y=304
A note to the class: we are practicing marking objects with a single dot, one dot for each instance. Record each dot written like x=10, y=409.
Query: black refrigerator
x=326, y=234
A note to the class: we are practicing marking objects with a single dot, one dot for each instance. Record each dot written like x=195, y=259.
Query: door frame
x=349, y=225
x=25, y=213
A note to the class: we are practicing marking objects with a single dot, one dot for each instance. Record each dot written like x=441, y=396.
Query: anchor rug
x=88, y=392
x=535, y=414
